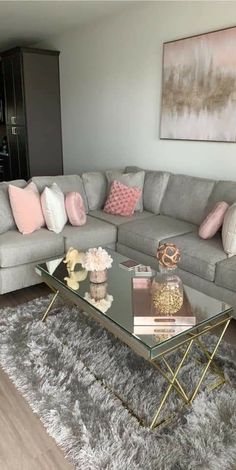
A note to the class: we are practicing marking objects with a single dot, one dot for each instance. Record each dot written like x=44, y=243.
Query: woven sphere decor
x=168, y=255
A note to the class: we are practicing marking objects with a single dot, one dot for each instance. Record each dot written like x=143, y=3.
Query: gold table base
x=169, y=374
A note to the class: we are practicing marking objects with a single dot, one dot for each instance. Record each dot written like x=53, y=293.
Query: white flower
x=97, y=259
x=103, y=305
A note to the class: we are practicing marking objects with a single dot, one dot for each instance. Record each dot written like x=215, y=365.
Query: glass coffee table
x=115, y=310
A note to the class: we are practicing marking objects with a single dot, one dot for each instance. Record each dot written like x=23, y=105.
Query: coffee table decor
x=210, y=314
x=97, y=261
x=72, y=258
x=167, y=290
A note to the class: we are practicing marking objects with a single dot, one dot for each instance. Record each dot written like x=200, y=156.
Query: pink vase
x=98, y=291
x=98, y=277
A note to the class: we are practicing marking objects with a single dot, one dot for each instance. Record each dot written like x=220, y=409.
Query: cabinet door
x=13, y=83
x=10, y=109
x=17, y=144
x=18, y=89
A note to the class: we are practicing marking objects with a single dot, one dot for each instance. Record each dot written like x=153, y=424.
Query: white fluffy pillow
x=53, y=206
x=229, y=231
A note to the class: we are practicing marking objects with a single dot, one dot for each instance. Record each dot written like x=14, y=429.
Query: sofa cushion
x=222, y=191
x=67, y=183
x=226, y=274
x=75, y=210
x=94, y=233
x=53, y=206
x=135, y=179
x=145, y=235
x=6, y=217
x=229, y=231
x=186, y=198
x=213, y=221
x=95, y=185
x=16, y=249
x=155, y=184
x=26, y=208
x=122, y=200
x=199, y=256
x=119, y=219
x=132, y=169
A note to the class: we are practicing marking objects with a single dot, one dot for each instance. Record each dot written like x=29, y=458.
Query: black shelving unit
x=32, y=112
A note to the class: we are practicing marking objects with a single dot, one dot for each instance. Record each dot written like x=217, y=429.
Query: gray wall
x=111, y=88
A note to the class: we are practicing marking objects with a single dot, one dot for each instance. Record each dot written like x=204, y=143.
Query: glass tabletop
x=125, y=300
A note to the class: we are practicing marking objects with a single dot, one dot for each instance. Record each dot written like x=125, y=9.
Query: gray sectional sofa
x=174, y=206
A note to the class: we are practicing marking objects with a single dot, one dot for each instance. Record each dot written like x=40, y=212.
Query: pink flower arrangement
x=97, y=259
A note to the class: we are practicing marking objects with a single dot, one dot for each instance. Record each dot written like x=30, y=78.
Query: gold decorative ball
x=168, y=255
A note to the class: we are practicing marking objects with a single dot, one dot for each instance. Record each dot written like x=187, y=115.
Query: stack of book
x=147, y=319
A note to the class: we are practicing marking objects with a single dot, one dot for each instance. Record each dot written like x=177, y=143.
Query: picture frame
x=199, y=87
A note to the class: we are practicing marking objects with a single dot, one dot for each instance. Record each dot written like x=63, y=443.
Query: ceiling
x=27, y=22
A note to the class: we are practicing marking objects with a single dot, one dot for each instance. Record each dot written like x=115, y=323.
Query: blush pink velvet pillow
x=75, y=209
x=213, y=221
x=122, y=199
x=26, y=208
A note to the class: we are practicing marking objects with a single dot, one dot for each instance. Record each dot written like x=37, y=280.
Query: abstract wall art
x=199, y=88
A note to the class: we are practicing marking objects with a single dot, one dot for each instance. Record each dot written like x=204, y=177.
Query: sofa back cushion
x=67, y=184
x=222, y=191
x=95, y=185
x=155, y=185
x=6, y=217
x=186, y=198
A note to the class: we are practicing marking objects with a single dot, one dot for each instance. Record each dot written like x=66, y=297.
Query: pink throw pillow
x=212, y=223
x=26, y=208
x=122, y=199
x=75, y=209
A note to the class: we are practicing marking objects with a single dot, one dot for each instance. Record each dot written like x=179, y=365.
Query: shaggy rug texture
x=80, y=380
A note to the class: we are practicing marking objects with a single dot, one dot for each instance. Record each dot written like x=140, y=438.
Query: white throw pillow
x=229, y=231
x=53, y=206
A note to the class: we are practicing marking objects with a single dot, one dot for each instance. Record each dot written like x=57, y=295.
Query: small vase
x=98, y=291
x=167, y=292
x=97, y=277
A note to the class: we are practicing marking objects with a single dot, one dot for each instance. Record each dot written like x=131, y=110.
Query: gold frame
x=185, y=341
x=172, y=378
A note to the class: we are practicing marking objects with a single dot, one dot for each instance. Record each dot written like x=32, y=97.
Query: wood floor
x=24, y=442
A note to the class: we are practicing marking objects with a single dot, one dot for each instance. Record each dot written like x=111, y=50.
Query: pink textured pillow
x=26, y=208
x=122, y=199
x=75, y=209
x=212, y=223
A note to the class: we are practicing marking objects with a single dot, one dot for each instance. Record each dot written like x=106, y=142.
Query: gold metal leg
x=216, y=370
x=209, y=362
x=50, y=305
x=177, y=381
x=176, y=384
x=174, y=381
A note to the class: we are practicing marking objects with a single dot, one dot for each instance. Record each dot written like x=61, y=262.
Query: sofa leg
x=50, y=306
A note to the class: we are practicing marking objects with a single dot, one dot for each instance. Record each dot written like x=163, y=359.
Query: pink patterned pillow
x=122, y=199
x=75, y=209
x=212, y=223
x=26, y=208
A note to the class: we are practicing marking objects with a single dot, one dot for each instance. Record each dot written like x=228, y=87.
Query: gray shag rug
x=76, y=376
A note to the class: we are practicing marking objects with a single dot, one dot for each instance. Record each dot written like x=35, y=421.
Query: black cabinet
x=32, y=112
